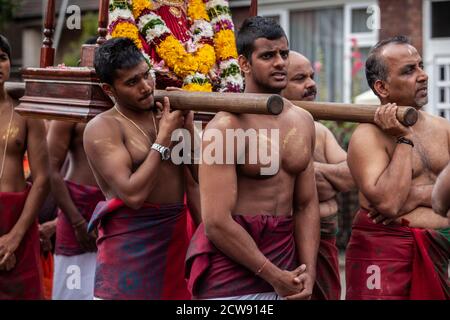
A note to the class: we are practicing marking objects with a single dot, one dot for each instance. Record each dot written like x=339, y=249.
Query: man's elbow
x=42, y=181
x=213, y=228
x=389, y=209
x=439, y=207
x=134, y=202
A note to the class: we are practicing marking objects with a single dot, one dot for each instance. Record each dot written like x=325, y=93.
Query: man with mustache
x=260, y=232
x=142, y=234
x=332, y=176
x=20, y=274
x=399, y=247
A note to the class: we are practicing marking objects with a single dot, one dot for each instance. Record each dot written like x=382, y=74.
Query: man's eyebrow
x=298, y=74
x=265, y=51
x=131, y=78
x=408, y=66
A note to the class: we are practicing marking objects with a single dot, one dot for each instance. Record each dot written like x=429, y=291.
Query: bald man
x=332, y=176
x=399, y=247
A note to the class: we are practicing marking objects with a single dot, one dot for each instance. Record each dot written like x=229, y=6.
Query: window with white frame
x=442, y=85
x=361, y=34
x=337, y=40
x=437, y=55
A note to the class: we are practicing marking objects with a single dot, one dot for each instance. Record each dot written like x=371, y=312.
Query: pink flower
x=317, y=66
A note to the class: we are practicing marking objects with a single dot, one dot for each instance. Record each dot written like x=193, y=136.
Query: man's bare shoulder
x=297, y=112
x=368, y=134
x=321, y=129
x=441, y=122
x=102, y=125
x=224, y=120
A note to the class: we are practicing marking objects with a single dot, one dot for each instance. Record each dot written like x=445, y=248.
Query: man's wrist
x=78, y=223
x=163, y=140
x=404, y=140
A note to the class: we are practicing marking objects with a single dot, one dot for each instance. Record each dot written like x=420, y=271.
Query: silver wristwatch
x=164, y=151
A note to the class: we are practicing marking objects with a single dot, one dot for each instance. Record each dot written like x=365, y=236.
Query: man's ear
x=382, y=88
x=244, y=64
x=109, y=90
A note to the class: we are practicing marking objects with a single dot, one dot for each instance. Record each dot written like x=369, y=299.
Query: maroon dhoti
x=328, y=281
x=211, y=274
x=396, y=262
x=24, y=281
x=85, y=199
x=140, y=252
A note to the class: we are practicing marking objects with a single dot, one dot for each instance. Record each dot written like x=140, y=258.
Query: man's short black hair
x=114, y=54
x=5, y=46
x=376, y=68
x=257, y=27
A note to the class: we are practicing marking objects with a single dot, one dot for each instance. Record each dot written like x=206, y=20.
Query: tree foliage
x=7, y=9
x=89, y=27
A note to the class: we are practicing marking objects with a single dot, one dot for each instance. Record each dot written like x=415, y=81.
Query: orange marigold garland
x=211, y=51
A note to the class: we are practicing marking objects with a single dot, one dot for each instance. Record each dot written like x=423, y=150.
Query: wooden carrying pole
x=215, y=102
x=353, y=112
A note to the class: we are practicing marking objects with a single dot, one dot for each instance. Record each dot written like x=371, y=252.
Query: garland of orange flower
x=139, y=22
x=122, y=24
x=188, y=66
x=225, y=46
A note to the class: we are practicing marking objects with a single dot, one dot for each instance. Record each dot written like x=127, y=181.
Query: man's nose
x=147, y=85
x=310, y=83
x=423, y=76
x=279, y=61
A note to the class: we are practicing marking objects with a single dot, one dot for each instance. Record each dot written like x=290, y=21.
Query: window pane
x=318, y=35
x=359, y=82
x=359, y=20
x=440, y=22
x=442, y=73
x=442, y=95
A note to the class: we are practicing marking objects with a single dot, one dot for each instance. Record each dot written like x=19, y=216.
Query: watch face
x=165, y=154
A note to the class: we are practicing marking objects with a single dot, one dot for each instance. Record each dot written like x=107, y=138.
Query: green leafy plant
x=7, y=10
x=89, y=27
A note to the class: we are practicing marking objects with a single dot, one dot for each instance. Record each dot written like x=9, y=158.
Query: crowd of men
x=126, y=208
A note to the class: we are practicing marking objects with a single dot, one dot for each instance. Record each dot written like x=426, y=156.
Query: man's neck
x=133, y=113
x=257, y=89
x=3, y=93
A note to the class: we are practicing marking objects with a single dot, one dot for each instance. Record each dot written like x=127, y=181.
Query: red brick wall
x=402, y=17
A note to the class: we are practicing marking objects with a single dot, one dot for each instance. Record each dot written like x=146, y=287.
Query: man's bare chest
x=430, y=155
x=12, y=134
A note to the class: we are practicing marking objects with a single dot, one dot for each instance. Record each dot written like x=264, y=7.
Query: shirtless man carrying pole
x=399, y=247
x=260, y=227
x=332, y=176
x=142, y=240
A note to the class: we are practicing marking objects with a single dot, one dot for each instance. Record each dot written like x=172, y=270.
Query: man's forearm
x=307, y=236
x=425, y=218
x=441, y=191
x=34, y=201
x=391, y=190
x=337, y=174
x=63, y=199
x=235, y=242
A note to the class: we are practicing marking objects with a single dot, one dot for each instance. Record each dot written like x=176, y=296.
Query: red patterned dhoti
x=396, y=262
